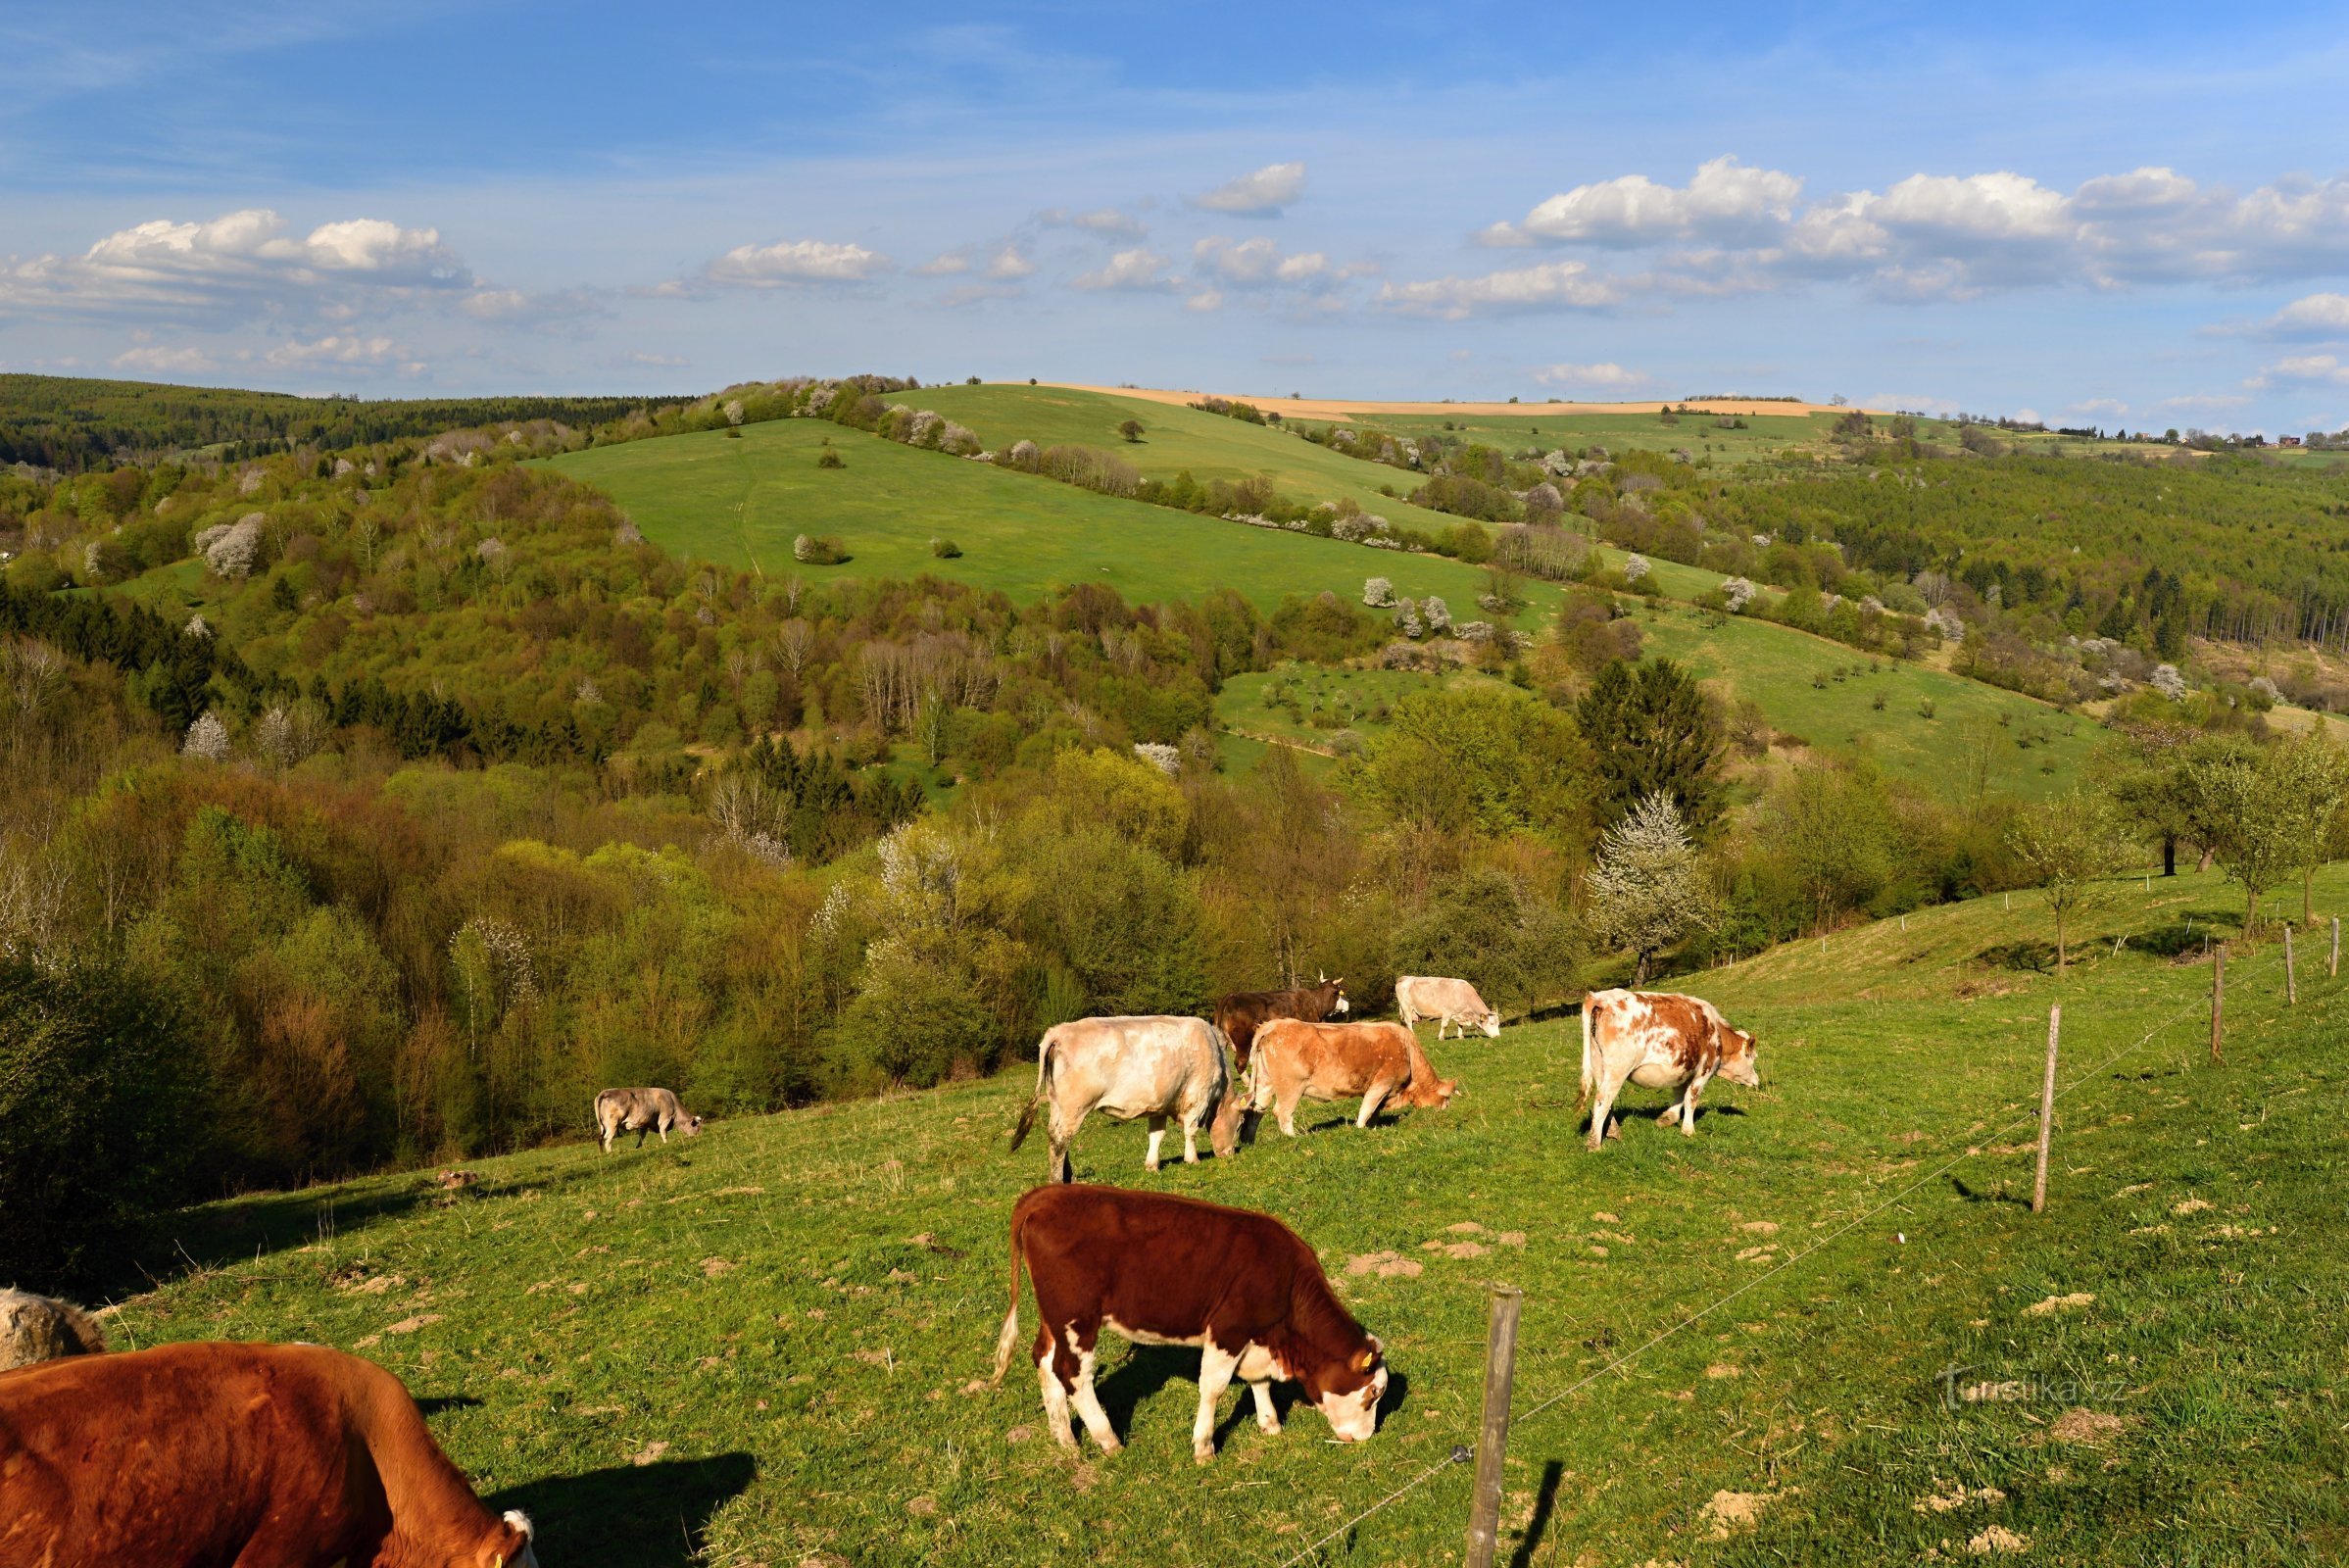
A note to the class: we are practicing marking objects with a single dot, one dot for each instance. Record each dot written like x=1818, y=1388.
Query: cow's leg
x=1158, y=1136
x=1372, y=1099
x=642, y=1128
x=1056, y=1398
x=1058, y=1168
x=663, y=1127
x=1190, y=1139
x=1089, y=1404
x=1215, y=1368
x=1268, y=1416
x=1286, y=1110
x=1689, y=1107
x=1603, y=1106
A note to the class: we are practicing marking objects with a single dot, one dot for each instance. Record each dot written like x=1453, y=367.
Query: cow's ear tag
x=1364, y=1358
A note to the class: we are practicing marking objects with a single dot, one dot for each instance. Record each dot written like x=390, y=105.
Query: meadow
x=741, y=502
x=769, y=1345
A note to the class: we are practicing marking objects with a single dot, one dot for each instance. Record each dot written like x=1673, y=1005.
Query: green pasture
x=741, y=502
x=770, y=1344
x=1764, y=436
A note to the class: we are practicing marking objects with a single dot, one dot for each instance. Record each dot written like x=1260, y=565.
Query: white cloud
x=1205, y=300
x=1011, y=262
x=1108, y=221
x=2098, y=408
x=1258, y=263
x=1934, y=237
x=1130, y=271
x=792, y=262
x=1262, y=194
x=238, y=264
x=2201, y=403
x=149, y=360
x=2304, y=370
x=376, y=352
x=1725, y=199
x=1604, y=377
x=2315, y=316
x=1551, y=285
x=664, y=361
x=952, y=264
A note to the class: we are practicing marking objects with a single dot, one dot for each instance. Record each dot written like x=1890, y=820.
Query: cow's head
x=1349, y=1395
x=510, y=1544
x=1738, y=1062
x=1333, y=994
x=1491, y=1023
x=692, y=1126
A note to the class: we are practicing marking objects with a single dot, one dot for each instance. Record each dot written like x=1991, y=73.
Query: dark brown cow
x=1241, y=1014
x=1658, y=1039
x=250, y=1456
x=1164, y=1271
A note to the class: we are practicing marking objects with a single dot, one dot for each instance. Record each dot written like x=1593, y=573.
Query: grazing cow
x=1380, y=1062
x=252, y=1456
x=1166, y=1270
x=1448, y=1001
x=1658, y=1039
x=1155, y=1065
x=40, y=1328
x=640, y=1112
x=1241, y=1014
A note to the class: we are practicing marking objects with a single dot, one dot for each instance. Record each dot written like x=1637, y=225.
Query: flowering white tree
x=233, y=550
x=1737, y=593
x=2169, y=682
x=1635, y=568
x=1648, y=888
x=1377, y=593
x=207, y=739
x=1435, y=613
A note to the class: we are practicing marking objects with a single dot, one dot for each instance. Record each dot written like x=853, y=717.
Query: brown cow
x=1658, y=1039
x=1380, y=1062
x=639, y=1112
x=252, y=1456
x=1166, y=1270
x=1241, y=1014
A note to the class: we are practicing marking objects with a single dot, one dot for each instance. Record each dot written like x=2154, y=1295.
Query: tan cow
x=639, y=1112
x=1658, y=1039
x=1453, y=1002
x=1324, y=1061
x=42, y=1328
x=1152, y=1065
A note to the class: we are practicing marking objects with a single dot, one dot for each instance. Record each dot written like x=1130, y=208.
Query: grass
x=741, y=503
x=761, y=1344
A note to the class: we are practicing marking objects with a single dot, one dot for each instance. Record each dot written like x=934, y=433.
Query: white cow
x=639, y=1110
x=1448, y=1001
x=1156, y=1066
x=1658, y=1039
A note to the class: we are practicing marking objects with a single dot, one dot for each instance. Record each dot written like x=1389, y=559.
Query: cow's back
x=1333, y=1057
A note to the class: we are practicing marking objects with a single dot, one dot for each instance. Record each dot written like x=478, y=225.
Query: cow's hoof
x=1202, y=1453
x=1271, y=1429
x=1667, y=1118
x=1614, y=1129
x=1110, y=1444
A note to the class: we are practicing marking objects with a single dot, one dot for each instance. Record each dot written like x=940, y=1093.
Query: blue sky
x=2115, y=216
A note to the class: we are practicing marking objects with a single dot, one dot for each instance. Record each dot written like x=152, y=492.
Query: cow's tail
x=1044, y=1085
x=1008, y=1339
x=1590, y=1004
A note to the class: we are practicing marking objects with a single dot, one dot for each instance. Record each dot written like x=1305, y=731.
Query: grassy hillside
x=741, y=502
x=770, y=1343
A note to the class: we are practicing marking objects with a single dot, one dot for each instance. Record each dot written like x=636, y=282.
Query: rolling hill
x=770, y=1343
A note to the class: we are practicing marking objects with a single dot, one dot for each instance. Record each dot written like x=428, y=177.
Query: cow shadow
x=629, y=1516
x=436, y=1403
x=1545, y=1507
x=1151, y=1367
x=1978, y=1195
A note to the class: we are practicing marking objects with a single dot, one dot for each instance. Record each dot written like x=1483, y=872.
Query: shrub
x=817, y=550
x=1377, y=593
x=944, y=549
x=102, y=1093
x=830, y=457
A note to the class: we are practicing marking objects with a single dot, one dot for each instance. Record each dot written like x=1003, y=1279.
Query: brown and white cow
x=1380, y=1062
x=1658, y=1039
x=1155, y=1065
x=256, y=1455
x=639, y=1112
x=1166, y=1270
x=1241, y=1014
x=1448, y=1001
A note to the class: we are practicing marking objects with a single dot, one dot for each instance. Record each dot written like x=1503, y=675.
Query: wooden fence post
x=2218, y=999
x=2292, y=983
x=2038, y=1186
x=1493, y=1438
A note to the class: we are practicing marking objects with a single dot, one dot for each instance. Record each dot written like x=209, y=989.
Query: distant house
x=2288, y=440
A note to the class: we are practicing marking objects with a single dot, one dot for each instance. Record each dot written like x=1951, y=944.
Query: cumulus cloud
x=2315, y=316
x=1136, y=270
x=1108, y=221
x=1725, y=200
x=1262, y=194
x=2201, y=403
x=1931, y=236
x=1551, y=285
x=1605, y=376
x=1205, y=300
x=2098, y=408
x=155, y=359
x=1258, y=264
x=376, y=352
x=1010, y=262
x=792, y=262
x=953, y=264
x=2302, y=370
x=239, y=264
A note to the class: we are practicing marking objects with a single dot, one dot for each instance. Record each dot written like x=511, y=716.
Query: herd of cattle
x=293, y=1454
